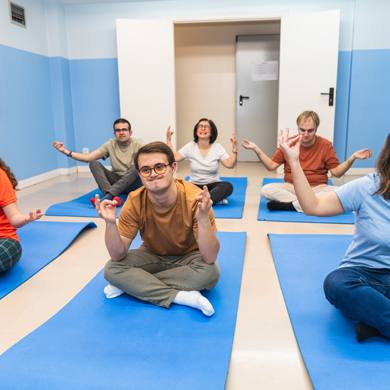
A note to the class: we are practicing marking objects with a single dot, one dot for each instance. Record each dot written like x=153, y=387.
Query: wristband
x=70, y=154
x=235, y=151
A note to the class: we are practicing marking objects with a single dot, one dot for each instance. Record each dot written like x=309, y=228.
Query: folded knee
x=112, y=269
x=212, y=271
x=335, y=286
x=265, y=190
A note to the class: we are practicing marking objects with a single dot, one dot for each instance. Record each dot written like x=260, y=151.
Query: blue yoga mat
x=236, y=199
x=80, y=207
x=326, y=338
x=293, y=216
x=41, y=243
x=123, y=343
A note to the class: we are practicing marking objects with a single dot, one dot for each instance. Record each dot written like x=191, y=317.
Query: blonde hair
x=309, y=114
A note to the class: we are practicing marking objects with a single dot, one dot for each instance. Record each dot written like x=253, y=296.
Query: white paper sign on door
x=265, y=70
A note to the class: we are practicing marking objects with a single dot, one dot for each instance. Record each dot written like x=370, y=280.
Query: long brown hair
x=9, y=173
x=383, y=168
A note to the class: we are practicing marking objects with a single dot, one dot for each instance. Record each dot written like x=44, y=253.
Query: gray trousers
x=158, y=279
x=113, y=184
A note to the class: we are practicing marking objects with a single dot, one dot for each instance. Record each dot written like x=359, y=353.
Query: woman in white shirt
x=204, y=156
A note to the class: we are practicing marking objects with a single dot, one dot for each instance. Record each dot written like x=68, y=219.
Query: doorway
x=257, y=81
x=205, y=75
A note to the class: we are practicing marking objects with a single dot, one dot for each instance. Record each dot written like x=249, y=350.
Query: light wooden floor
x=264, y=355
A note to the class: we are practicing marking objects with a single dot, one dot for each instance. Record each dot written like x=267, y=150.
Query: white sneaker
x=222, y=202
x=112, y=291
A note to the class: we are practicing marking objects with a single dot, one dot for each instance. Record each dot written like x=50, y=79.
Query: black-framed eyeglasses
x=119, y=130
x=160, y=169
x=204, y=127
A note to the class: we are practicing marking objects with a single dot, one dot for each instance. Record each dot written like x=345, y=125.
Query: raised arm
x=342, y=168
x=267, y=162
x=17, y=219
x=116, y=244
x=178, y=156
x=232, y=160
x=324, y=206
x=95, y=155
x=207, y=240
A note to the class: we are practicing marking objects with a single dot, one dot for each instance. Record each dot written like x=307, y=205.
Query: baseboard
x=67, y=171
x=38, y=179
x=85, y=168
x=50, y=175
x=359, y=171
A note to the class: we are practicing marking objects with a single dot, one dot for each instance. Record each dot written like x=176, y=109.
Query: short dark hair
x=214, y=131
x=155, y=147
x=121, y=120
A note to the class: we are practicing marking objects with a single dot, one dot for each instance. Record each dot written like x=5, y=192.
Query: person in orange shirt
x=11, y=219
x=317, y=156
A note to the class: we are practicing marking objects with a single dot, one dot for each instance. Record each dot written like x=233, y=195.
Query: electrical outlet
x=85, y=150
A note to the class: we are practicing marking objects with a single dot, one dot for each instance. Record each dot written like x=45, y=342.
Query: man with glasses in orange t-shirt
x=123, y=178
x=176, y=222
x=317, y=156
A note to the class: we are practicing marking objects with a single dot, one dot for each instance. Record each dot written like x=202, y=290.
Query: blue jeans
x=362, y=294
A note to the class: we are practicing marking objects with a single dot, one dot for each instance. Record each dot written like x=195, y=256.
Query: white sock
x=194, y=299
x=112, y=291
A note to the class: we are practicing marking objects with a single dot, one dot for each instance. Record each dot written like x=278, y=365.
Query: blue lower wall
x=95, y=96
x=369, y=113
x=76, y=101
x=342, y=103
x=26, y=113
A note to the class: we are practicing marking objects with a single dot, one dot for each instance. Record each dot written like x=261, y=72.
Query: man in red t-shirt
x=317, y=156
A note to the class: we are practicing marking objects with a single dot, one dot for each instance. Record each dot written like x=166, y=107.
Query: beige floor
x=265, y=354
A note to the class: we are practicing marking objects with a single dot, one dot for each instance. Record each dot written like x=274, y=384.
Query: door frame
x=228, y=17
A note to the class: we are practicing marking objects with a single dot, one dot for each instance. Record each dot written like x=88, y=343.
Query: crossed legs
x=285, y=193
x=363, y=295
x=160, y=279
x=113, y=184
x=218, y=191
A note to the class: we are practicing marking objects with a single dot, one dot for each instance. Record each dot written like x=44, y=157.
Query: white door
x=146, y=66
x=257, y=86
x=308, y=67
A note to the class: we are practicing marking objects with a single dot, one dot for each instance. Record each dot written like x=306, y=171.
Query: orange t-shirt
x=171, y=233
x=315, y=161
x=7, y=196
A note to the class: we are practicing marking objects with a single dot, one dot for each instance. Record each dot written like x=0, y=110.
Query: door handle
x=243, y=97
x=331, y=95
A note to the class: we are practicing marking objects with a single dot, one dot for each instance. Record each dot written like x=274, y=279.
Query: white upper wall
x=372, y=27
x=56, y=29
x=34, y=37
x=46, y=28
x=92, y=28
x=89, y=31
